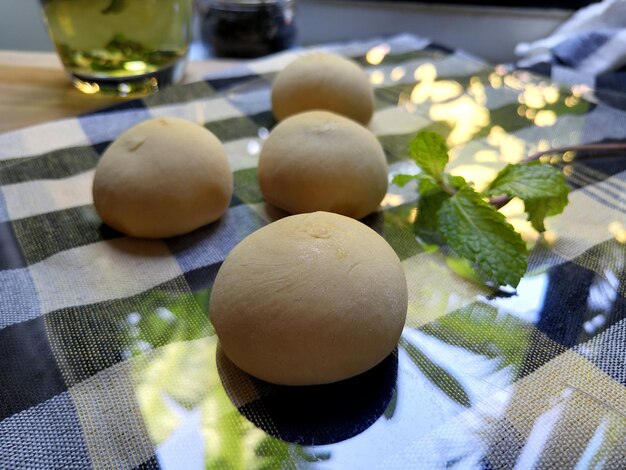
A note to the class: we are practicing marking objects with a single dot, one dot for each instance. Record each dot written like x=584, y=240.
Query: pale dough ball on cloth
x=320, y=161
x=323, y=81
x=309, y=299
x=162, y=177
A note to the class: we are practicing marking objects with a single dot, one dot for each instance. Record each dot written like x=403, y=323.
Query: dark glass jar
x=248, y=28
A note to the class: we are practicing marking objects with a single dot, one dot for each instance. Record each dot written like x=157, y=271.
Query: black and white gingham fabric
x=108, y=359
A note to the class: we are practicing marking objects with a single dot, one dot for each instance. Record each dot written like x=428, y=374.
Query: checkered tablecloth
x=108, y=359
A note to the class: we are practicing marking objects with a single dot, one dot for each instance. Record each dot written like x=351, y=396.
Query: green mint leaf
x=541, y=187
x=430, y=151
x=426, y=183
x=456, y=182
x=426, y=225
x=478, y=232
x=539, y=209
x=527, y=181
x=403, y=180
x=432, y=196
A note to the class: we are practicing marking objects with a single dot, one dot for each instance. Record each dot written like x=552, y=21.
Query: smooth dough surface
x=323, y=81
x=320, y=161
x=163, y=177
x=309, y=299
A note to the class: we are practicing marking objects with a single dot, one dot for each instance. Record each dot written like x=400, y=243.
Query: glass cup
x=120, y=47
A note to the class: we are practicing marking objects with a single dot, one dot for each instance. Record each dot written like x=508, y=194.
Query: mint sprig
x=451, y=213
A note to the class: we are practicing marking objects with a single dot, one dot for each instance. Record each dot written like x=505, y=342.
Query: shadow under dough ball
x=312, y=415
x=161, y=178
x=320, y=161
x=323, y=81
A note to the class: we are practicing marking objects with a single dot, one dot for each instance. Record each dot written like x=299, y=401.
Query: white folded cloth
x=592, y=41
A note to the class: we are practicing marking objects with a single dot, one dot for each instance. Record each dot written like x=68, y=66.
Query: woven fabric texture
x=108, y=359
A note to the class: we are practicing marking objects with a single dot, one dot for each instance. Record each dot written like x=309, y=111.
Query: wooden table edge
x=35, y=89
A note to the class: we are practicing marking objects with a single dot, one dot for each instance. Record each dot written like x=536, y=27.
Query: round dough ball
x=162, y=177
x=322, y=161
x=309, y=299
x=323, y=81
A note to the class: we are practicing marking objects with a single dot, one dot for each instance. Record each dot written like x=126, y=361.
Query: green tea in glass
x=120, y=47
